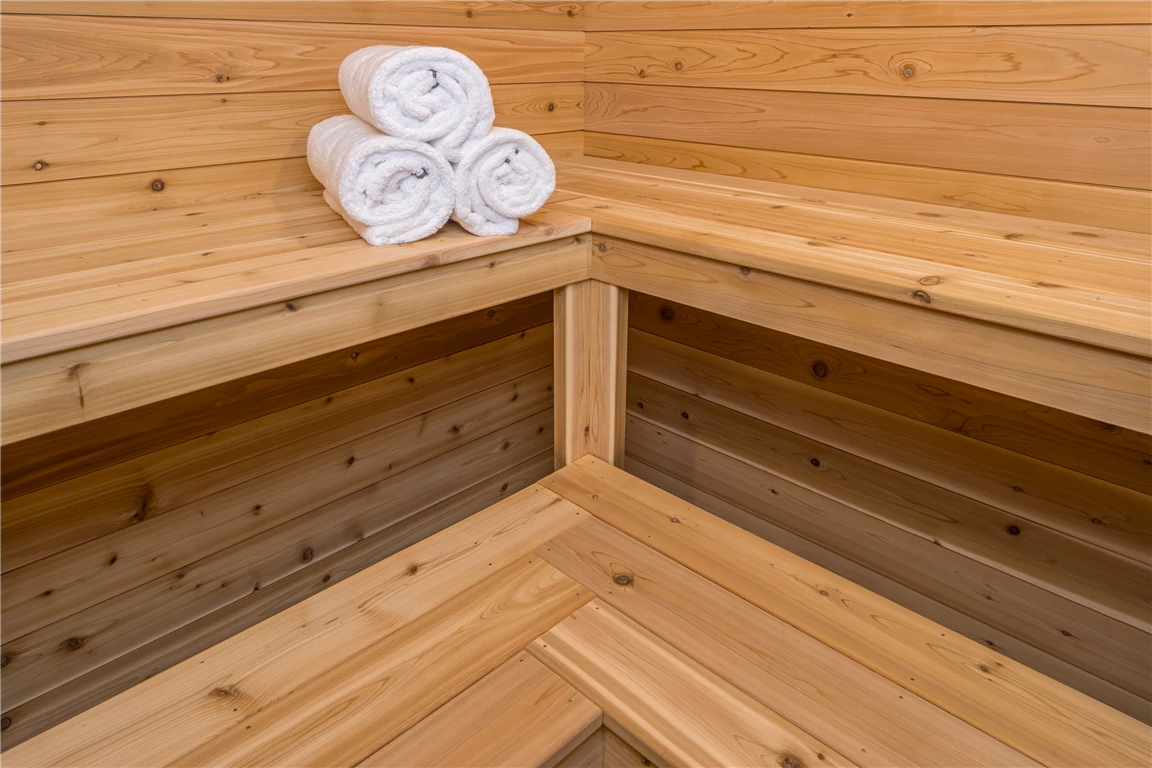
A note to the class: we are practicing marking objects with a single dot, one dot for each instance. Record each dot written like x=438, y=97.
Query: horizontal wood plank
x=850, y=708
x=666, y=700
x=1086, y=446
x=339, y=623
x=1107, y=516
x=1117, y=587
x=134, y=668
x=42, y=394
x=512, y=14
x=1064, y=628
x=65, y=454
x=74, y=512
x=983, y=634
x=1088, y=205
x=757, y=14
x=186, y=293
x=519, y=714
x=157, y=57
x=1092, y=145
x=1111, y=318
x=53, y=588
x=232, y=570
x=1022, y=708
x=1102, y=65
x=75, y=138
x=1108, y=386
x=416, y=670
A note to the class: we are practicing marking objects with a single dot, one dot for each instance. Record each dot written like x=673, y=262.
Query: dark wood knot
x=157, y=185
x=623, y=579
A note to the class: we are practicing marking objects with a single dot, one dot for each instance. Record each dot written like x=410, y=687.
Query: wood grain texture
x=108, y=680
x=1102, y=646
x=1111, y=207
x=48, y=658
x=757, y=14
x=980, y=633
x=1078, y=571
x=513, y=14
x=343, y=621
x=997, y=226
x=1048, y=496
x=518, y=714
x=394, y=683
x=591, y=353
x=58, y=586
x=187, y=293
x=1046, y=721
x=1101, y=65
x=42, y=394
x=75, y=138
x=74, y=512
x=1083, y=445
x=1113, y=320
x=588, y=754
x=661, y=697
x=620, y=754
x=852, y=709
x=1092, y=145
x=1092, y=382
x=161, y=57
x=66, y=454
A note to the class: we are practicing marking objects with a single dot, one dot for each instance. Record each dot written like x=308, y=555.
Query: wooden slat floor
x=594, y=620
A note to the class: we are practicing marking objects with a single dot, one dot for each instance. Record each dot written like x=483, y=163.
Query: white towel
x=501, y=178
x=396, y=190
x=425, y=94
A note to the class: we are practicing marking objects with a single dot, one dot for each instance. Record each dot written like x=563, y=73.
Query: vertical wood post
x=591, y=322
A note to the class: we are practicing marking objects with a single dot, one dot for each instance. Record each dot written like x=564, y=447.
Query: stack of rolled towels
x=420, y=148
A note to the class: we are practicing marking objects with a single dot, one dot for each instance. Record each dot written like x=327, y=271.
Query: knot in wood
x=908, y=71
x=679, y=65
x=157, y=185
x=1014, y=530
x=73, y=643
x=820, y=369
x=667, y=314
x=791, y=762
x=4, y=723
x=922, y=296
x=551, y=107
x=623, y=579
x=39, y=165
x=306, y=555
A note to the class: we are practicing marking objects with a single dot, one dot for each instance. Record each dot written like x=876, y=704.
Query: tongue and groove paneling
x=987, y=513
x=1040, y=112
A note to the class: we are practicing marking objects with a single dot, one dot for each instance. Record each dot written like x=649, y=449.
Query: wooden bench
x=131, y=306
x=589, y=599
x=1036, y=314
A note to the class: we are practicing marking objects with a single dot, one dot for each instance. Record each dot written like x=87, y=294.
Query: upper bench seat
x=137, y=298
x=1057, y=314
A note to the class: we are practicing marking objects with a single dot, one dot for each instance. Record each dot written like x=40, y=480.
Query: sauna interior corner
x=869, y=280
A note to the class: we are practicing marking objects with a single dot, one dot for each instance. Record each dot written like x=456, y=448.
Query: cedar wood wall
x=135, y=541
x=127, y=549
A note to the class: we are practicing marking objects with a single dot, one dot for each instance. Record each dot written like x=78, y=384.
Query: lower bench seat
x=594, y=601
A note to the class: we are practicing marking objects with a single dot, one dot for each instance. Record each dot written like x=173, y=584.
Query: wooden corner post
x=591, y=321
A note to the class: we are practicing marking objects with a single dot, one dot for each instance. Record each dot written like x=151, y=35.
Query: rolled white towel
x=397, y=190
x=501, y=178
x=421, y=93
